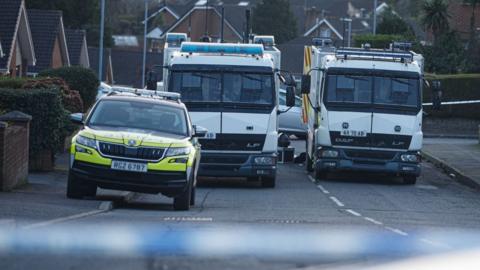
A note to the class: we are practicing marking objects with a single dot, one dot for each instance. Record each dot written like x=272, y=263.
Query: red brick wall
x=13, y=154
x=57, y=60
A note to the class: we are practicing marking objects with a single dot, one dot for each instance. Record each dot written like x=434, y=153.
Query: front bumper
x=169, y=183
x=368, y=161
x=235, y=165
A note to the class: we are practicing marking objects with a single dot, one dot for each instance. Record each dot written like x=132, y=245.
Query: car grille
x=234, y=142
x=122, y=151
x=224, y=159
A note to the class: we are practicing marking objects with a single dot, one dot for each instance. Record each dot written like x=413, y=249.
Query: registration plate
x=210, y=136
x=129, y=166
x=353, y=133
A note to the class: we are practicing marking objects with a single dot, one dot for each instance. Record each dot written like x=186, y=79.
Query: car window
x=140, y=115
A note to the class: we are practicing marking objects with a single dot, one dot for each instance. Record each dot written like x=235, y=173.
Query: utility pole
x=100, y=53
x=375, y=17
x=144, y=44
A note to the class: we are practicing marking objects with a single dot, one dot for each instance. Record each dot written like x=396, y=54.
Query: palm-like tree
x=435, y=16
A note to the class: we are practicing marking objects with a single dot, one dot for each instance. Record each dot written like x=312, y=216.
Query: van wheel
x=77, y=189
x=268, y=182
x=409, y=179
x=321, y=175
x=308, y=160
x=182, y=201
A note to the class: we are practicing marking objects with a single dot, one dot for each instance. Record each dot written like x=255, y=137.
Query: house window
x=325, y=33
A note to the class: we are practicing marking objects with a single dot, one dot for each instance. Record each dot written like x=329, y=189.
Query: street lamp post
x=100, y=53
x=144, y=44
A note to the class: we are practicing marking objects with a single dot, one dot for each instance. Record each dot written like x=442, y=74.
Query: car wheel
x=409, y=179
x=268, y=182
x=192, y=196
x=77, y=189
x=182, y=201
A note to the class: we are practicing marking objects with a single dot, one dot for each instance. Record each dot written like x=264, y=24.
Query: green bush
x=49, y=118
x=78, y=78
x=376, y=41
x=456, y=88
x=12, y=83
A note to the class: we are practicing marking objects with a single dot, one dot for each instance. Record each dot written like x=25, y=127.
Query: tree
x=447, y=55
x=435, y=16
x=473, y=46
x=392, y=24
x=274, y=17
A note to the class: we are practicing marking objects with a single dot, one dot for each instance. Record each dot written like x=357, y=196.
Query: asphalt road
x=376, y=205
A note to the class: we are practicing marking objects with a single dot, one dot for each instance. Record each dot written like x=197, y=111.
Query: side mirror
x=151, y=80
x=290, y=96
x=306, y=84
x=199, y=131
x=77, y=118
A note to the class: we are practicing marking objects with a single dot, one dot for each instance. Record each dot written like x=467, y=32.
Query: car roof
x=146, y=99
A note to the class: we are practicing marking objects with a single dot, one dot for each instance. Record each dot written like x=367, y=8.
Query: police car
x=136, y=140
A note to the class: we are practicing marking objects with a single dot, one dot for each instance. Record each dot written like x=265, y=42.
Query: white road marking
x=188, y=219
x=323, y=189
x=63, y=219
x=353, y=213
x=397, y=231
x=433, y=243
x=427, y=187
x=335, y=200
x=376, y=222
x=311, y=178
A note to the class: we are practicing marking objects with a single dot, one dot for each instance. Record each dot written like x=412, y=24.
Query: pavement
x=459, y=158
x=237, y=224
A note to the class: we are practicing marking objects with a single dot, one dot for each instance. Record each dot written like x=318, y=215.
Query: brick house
x=460, y=18
x=49, y=40
x=93, y=55
x=16, y=39
x=77, y=47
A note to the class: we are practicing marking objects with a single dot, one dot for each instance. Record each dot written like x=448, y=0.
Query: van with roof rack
x=363, y=109
x=232, y=90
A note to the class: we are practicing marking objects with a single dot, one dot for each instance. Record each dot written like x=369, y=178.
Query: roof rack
x=145, y=93
x=374, y=54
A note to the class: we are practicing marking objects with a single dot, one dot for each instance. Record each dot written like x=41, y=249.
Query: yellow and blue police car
x=136, y=142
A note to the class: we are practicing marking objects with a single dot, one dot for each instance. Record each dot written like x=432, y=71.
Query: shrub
x=78, y=78
x=12, y=83
x=456, y=88
x=49, y=118
x=376, y=41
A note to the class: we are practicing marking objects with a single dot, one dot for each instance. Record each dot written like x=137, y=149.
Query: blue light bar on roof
x=199, y=47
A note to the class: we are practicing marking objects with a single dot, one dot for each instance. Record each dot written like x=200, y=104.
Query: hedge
x=78, y=78
x=49, y=118
x=456, y=88
x=376, y=41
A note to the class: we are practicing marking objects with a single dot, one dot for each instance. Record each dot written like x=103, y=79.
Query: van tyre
x=321, y=175
x=268, y=181
x=409, y=179
x=308, y=160
x=77, y=189
x=182, y=201
x=192, y=196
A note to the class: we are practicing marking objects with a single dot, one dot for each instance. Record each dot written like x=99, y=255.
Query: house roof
x=46, y=26
x=13, y=17
x=76, y=40
x=292, y=54
x=198, y=7
x=1, y=50
x=326, y=22
x=127, y=65
x=93, y=58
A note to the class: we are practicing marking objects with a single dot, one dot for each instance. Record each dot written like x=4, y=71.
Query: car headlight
x=264, y=161
x=329, y=153
x=86, y=141
x=177, y=151
x=409, y=158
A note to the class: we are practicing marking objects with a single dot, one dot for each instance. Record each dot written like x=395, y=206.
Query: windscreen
x=226, y=87
x=139, y=115
x=392, y=91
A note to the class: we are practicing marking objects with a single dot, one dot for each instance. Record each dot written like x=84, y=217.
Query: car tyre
x=182, y=201
x=192, y=196
x=308, y=159
x=268, y=181
x=409, y=179
x=77, y=189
